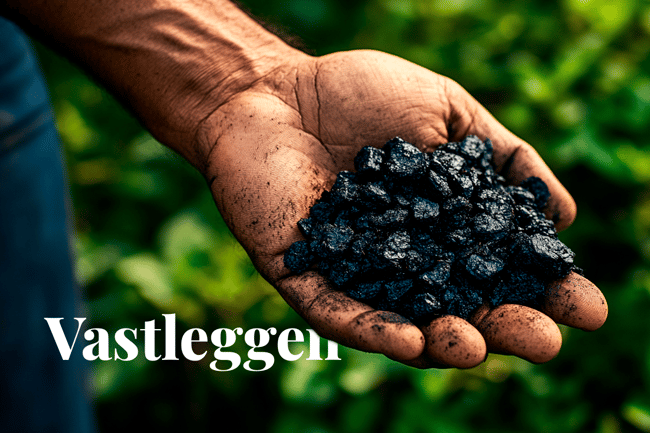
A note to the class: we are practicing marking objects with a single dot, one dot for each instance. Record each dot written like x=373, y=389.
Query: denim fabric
x=39, y=392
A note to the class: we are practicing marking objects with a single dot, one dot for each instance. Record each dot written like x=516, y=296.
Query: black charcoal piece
x=344, y=218
x=440, y=186
x=526, y=215
x=396, y=289
x=425, y=210
x=456, y=212
x=365, y=291
x=543, y=227
x=458, y=238
x=446, y=163
x=430, y=234
x=497, y=194
x=405, y=160
x=539, y=189
x=522, y=196
x=421, y=307
x=457, y=205
x=344, y=191
x=437, y=276
x=464, y=184
x=306, y=225
x=396, y=246
x=334, y=240
x=473, y=148
x=426, y=246
x=298, y=257
x=402, y=200
x=391, y=143
x=543, y=255
x=488, y=227
x=499, y=210
x=321, y=212
x=414, y=261
x=391, y=218
x=518, y=287
x=374, y=194
x=369, y=160
x=483, y=268
x=361, y=242
x=462, y=301
x=343, y=271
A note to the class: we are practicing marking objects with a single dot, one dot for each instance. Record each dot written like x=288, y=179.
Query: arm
x=171, y=62
x=269, y=128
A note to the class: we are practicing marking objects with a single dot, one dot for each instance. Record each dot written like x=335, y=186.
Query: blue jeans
x=39, y=392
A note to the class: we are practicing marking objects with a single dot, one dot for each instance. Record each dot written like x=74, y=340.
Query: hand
x=278, y=144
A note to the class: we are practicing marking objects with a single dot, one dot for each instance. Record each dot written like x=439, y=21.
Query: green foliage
x=570, y=77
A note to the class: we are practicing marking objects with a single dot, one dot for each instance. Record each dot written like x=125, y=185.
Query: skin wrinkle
x=299, y=109
x=318, y=111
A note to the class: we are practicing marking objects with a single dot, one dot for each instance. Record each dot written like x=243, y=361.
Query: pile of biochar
x=429, y=234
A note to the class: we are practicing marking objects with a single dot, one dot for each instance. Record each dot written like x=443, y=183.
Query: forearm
x=173, y=62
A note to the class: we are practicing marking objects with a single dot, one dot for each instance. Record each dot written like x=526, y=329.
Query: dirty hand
x=276, y=146
x=270, y=127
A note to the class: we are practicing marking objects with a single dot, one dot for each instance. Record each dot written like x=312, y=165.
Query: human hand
x=270, y=127
x=277, y=145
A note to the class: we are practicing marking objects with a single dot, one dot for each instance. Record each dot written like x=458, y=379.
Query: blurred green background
x=570, y=77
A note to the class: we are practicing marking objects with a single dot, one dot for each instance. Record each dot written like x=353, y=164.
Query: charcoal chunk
x=397, y=289
x=343, y=271
x=519, y=287
x=299, y=257
x=321, y=212
x=455, y=213
x=306, y=225
x=539, y=189
x=405, y=160
x=332, y=240
x=458, y=238
x=483, y=268
x=365, y=291
x=439, y=184
x=446, y=163
x=521, y=196
x=391, y=218
x=487, y=226
x=369, y=160
x=425, y=210
x=375, y=194
x=543, y=254
x=421, y=307
x=344, y=190
x=414, y=261
x=396, y=246
x=436, y=277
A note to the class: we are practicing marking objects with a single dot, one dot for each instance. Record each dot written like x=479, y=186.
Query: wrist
x=203, y=62
x=203, y=88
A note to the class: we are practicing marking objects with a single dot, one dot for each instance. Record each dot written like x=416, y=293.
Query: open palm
x=277, y=145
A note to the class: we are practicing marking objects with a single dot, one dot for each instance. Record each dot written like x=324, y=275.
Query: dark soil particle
x=429, y=234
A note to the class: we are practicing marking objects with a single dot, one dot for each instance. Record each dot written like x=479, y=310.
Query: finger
x=340, y=318
x=453, y=341
x=518, y=330
x=575, y=301
x=515, y=159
